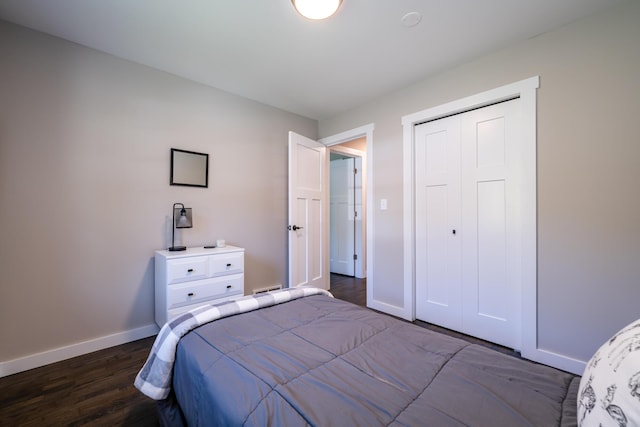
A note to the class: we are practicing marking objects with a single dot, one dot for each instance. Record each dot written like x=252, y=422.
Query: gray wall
x=588, y=171
x=84, y=187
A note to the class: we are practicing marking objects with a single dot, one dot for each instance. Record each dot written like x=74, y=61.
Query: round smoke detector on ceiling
x=411, y=19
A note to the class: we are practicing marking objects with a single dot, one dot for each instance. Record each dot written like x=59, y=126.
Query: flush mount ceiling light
x=316, y=9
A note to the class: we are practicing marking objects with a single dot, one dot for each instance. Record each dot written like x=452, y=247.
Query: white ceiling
x=263, y=50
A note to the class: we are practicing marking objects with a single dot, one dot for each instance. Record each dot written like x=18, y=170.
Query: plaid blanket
x=155, y=377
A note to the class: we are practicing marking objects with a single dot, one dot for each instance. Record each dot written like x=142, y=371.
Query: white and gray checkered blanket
x=155, y=377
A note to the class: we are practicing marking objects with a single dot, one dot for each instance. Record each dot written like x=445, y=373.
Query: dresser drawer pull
x=190, y=270
x=229, y=286
x=228, y=265
x=190, y=294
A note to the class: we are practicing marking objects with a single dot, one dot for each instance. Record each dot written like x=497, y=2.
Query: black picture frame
x=189, y=168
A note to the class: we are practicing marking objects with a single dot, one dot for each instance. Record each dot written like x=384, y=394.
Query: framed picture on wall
x=189, y=168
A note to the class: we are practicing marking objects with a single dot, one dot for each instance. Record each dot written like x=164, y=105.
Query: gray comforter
x=324, y=362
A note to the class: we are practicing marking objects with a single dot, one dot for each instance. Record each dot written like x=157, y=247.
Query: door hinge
x=355, y=171
x=355, y=257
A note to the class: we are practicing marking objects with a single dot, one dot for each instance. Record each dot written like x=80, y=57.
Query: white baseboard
x=556, y=360
x=21, y=364
x=388, y=308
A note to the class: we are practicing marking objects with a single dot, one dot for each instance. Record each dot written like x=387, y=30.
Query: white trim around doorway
x=365, y=131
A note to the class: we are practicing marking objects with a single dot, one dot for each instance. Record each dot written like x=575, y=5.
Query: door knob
x=295, y=227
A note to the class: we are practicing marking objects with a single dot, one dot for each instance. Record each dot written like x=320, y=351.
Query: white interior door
x=467, y=220
x=342, y=216
x=308, y=213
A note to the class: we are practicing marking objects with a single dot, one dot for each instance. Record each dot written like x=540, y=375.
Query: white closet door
x=467, y=223
x=438, y=251
x=490, y=252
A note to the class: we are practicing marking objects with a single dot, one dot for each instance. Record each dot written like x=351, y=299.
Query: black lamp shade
x=181, y=219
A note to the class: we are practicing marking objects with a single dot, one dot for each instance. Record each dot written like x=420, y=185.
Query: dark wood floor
x=97, y=389
x=349, y=289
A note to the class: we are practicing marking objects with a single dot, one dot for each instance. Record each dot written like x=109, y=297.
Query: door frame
x=365, y=131
x=526, y=91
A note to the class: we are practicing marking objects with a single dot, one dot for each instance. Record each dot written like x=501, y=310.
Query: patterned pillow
x=609, y=393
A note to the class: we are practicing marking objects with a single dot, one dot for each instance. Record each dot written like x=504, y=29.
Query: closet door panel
x=491, y=292
x=436, y=260
x=437, y=167
x=491, y=285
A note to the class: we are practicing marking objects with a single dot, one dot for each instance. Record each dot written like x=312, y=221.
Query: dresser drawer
x=187, y=269
x=227, y=264
x=174, y=312
x=204, y=290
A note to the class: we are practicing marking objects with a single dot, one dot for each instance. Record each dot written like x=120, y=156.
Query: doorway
x=357, y=143
x=347, y=246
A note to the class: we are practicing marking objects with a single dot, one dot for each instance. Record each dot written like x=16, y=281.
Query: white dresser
x=196, y=276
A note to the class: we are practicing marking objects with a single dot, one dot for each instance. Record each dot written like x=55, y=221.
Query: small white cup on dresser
x=221, y=243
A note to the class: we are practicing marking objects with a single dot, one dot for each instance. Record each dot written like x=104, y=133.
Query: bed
x=300, y=357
